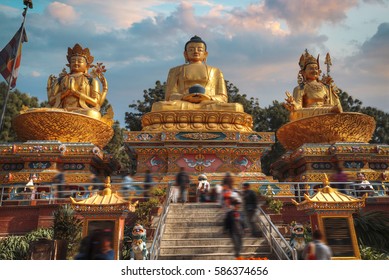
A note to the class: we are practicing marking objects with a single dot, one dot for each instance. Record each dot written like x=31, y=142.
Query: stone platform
x=309, y=162
x=19, y=161
x=210, y=152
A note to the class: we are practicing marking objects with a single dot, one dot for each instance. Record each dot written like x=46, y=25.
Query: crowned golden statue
x=313, y=96
x=316, y=114
x=75, y=99
x=196, y=98
x=196, y=85
x=78, y=91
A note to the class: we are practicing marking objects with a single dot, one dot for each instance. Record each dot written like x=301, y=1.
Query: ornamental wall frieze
x=225, y=167
x=148, y=150
x=74, y=166
x=23, y=177
x=193, y=116
x=203, y=135
x=210, y=136
x=28, y=149
x=254, y=168
x=197, y=150
x=383, y=150
x=317, y=150
x=36, y=158
x=77, y=177
x=39, y=164
x=360, y=148
x=198, y=126
x=109, y=208
x=311, y=177
x=379, y=165
x=284, y=190
x=197, y=120
x=12, y=166
x=331, y=206
x=353, y=164
x=41, y=148
x=140, y=136
x=364, y=158
x=263, y=137
x=372, y=176
x=321, y=165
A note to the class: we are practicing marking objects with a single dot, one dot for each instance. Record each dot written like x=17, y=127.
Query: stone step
x=175, y=229
x=223, y=249
x=195, y=205
x=207, y=218
x=194, y=231
x=210, y=241
x=198, y=215
x=198, y=223
x=196, y=212
x=212, y=256
x=188, y=234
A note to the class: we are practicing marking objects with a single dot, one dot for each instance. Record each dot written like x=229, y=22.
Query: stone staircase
x=194, y=231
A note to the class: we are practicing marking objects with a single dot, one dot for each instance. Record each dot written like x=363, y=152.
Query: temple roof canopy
x=104, y=202
x=330, y=198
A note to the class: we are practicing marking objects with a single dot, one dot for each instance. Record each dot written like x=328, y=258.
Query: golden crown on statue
x=306, y=59
x=79, y=51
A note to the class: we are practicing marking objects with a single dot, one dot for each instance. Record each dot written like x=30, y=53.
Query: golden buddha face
x=195, y=52
x=78, y=64
x=312, y=72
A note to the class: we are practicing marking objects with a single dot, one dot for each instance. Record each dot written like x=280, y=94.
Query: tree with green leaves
x=141, y=107
x=16, y=101
x=67, y=227
x=116, y=148
x=372, y=229
x=381, y=132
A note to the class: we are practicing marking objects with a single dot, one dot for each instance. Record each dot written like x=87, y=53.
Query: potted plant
x=66, y=231
x=159, y=192
x=275, y=205
x=144, y=213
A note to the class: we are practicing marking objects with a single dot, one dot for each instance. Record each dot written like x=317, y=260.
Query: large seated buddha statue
x=78, y=91
x=75, y=99
x=199, y=90
x=313, y=96
x=196, y=85
x=316, y=114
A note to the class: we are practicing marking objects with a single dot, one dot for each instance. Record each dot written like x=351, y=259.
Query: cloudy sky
x=257, y=44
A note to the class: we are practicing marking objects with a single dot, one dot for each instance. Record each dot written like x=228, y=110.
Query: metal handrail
x=297, y=189
x=156, y=245
x=276, y=240
x=17, y=192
